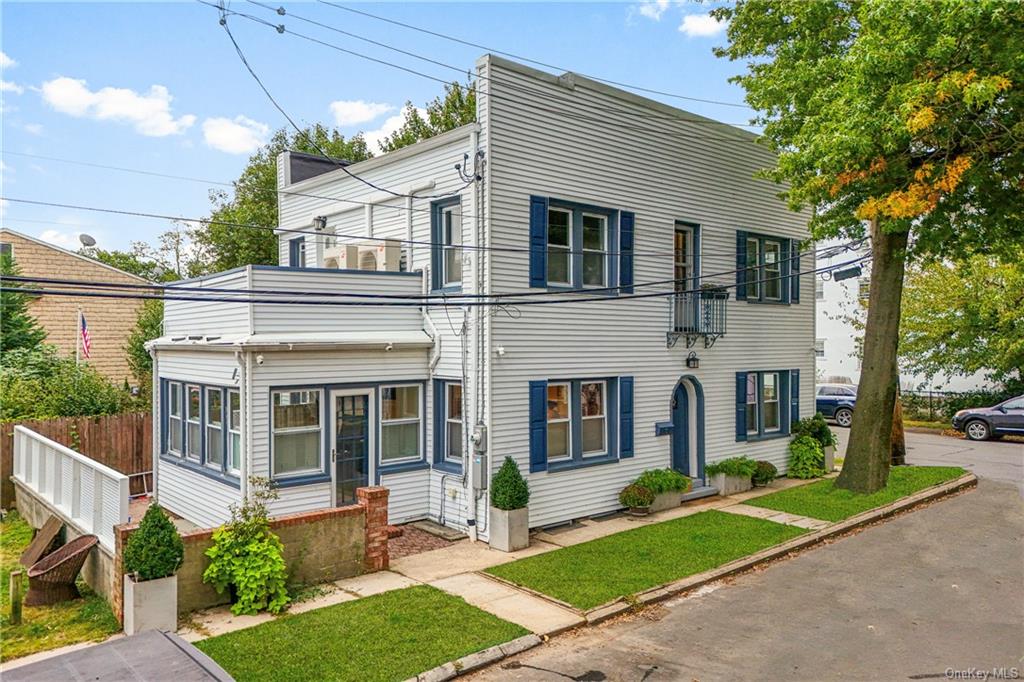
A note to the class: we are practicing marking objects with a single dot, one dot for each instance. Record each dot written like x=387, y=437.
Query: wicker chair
x=52, y=578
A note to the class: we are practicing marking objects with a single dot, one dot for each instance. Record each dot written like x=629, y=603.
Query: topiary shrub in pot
x=510, y=517
x=806, y=459
x=731, y=475
x=668, y=486
x=637, y=499
x=151, y=556
x=765, y=473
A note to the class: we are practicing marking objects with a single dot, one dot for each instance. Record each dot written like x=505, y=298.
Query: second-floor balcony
x=695, y=315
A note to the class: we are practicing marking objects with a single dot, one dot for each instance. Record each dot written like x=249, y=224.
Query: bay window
x=297, y=446
x=400, y=423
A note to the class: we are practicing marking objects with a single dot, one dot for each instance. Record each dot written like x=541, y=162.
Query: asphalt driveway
x=927, y=594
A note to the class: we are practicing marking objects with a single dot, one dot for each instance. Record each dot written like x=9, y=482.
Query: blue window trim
x=578, y=459
x=296, y=248
x=786, y=286
x=440, y=389
x=306, y=476
x=785, y=407
x=325, y=430
x=436, y=251
x=223, y=474
x=612, y=244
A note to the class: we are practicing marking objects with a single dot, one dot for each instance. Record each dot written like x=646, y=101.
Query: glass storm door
x=350, y=454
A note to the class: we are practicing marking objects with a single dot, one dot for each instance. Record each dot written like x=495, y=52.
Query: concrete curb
x=663, y=592
x=475, y=661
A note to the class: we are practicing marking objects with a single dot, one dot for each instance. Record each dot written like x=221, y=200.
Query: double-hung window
x=215, y=428
x=766, y=269
x=595, y=249
x=770, y=402
x=753, y=413
x=174, y=417
x=296, y=427
x=194, y=419
x=766, y=403
x=446, y=244
x=453, y=423
x=400, y=424
x=234, y=431
x=560, y=240
x=772, y=271
x=753, y=273
x=559, y=422
x=594, y=421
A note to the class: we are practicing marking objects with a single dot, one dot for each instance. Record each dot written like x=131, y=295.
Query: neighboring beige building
x=110, y=320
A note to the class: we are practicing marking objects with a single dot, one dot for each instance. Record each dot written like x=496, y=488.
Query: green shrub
x=806, y=458
x=741, y=467
x=509, y=489
x=248, y=558
x=765, y=473
x=660, y=481
x=816, y=428
x=155, y=549
x=636, y=496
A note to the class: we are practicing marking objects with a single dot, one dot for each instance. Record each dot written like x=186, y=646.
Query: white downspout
x=471, y=501
x=241, y=357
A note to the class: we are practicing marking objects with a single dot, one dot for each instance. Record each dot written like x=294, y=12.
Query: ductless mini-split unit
x=384, y=255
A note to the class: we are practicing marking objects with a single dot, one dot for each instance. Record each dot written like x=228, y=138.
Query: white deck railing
x=90, y=495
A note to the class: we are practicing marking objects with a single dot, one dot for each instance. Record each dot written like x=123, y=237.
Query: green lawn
x=389, y=636
x=45, y=627
x=822, y=500
x=596, y=572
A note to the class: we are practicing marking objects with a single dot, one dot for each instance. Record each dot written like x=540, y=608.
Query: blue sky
x=158, y=87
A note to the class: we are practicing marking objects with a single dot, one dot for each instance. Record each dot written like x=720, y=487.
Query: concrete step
x=699, y=492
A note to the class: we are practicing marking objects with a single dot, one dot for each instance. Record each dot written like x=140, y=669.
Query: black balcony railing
x=698, y=314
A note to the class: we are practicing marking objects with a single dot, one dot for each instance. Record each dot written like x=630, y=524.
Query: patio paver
x=776, y=516
x=461, y=557
x=537, y=615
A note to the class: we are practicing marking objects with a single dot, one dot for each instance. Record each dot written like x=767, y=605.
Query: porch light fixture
x=692, y=361
x=320, y=223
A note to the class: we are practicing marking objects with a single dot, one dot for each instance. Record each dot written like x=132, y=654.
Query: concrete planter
x=830, y=458
x=150, y=605
x=663, y=501
x=510, y=529
x=730, y=485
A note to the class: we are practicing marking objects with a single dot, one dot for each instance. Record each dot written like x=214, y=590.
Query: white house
x=581, y=186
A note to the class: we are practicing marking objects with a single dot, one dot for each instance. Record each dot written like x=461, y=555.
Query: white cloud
x=354, y=112
x=33, y=128
x=391, y=124
x=240, y=135
x=10, y=86
x=6, y=62
x=653, y=9
x=700, y=26
x=67, y=240
x=149, y=113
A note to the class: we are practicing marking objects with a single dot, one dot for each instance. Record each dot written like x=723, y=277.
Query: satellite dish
x=86, y=240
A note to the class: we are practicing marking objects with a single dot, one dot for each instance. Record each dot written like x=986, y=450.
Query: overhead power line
x=522, y=58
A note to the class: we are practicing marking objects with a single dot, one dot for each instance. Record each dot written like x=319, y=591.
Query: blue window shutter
x=538, y=426
x=741, y=264
x=741, y=406
x=627, y=222
x=794, y=250
x=794, y=395
x=538, y=241
x=295, y=251
x=625, y=417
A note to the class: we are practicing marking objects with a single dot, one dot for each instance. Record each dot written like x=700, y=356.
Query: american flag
x=86, y=341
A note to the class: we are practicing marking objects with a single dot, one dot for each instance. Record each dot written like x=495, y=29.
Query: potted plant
x=151, y=556
x=510, y=517
x=817, y=428
x=806, y=458
x=668, y=486
x=731, y=475
x=765, y=473
x=637, y=499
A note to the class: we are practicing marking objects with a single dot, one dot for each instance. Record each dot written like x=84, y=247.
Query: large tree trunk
x=866, y=466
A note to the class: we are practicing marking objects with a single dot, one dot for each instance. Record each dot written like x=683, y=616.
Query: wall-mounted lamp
x=320, y=223
x=692, y=361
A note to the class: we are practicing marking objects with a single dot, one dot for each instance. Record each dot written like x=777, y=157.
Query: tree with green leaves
x=965, y=317
x=18, y=328
x=456, y=107
x=901, y=121
x=132, y=262
x=253, y=200
x=148, y=326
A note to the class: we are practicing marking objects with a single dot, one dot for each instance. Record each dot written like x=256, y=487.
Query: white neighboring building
x=837, y=340
x=584, y=187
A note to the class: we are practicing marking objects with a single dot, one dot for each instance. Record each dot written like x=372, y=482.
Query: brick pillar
x=375, y=502
x=121, y=534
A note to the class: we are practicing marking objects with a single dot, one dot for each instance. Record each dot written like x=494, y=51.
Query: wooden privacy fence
x=122, y=442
